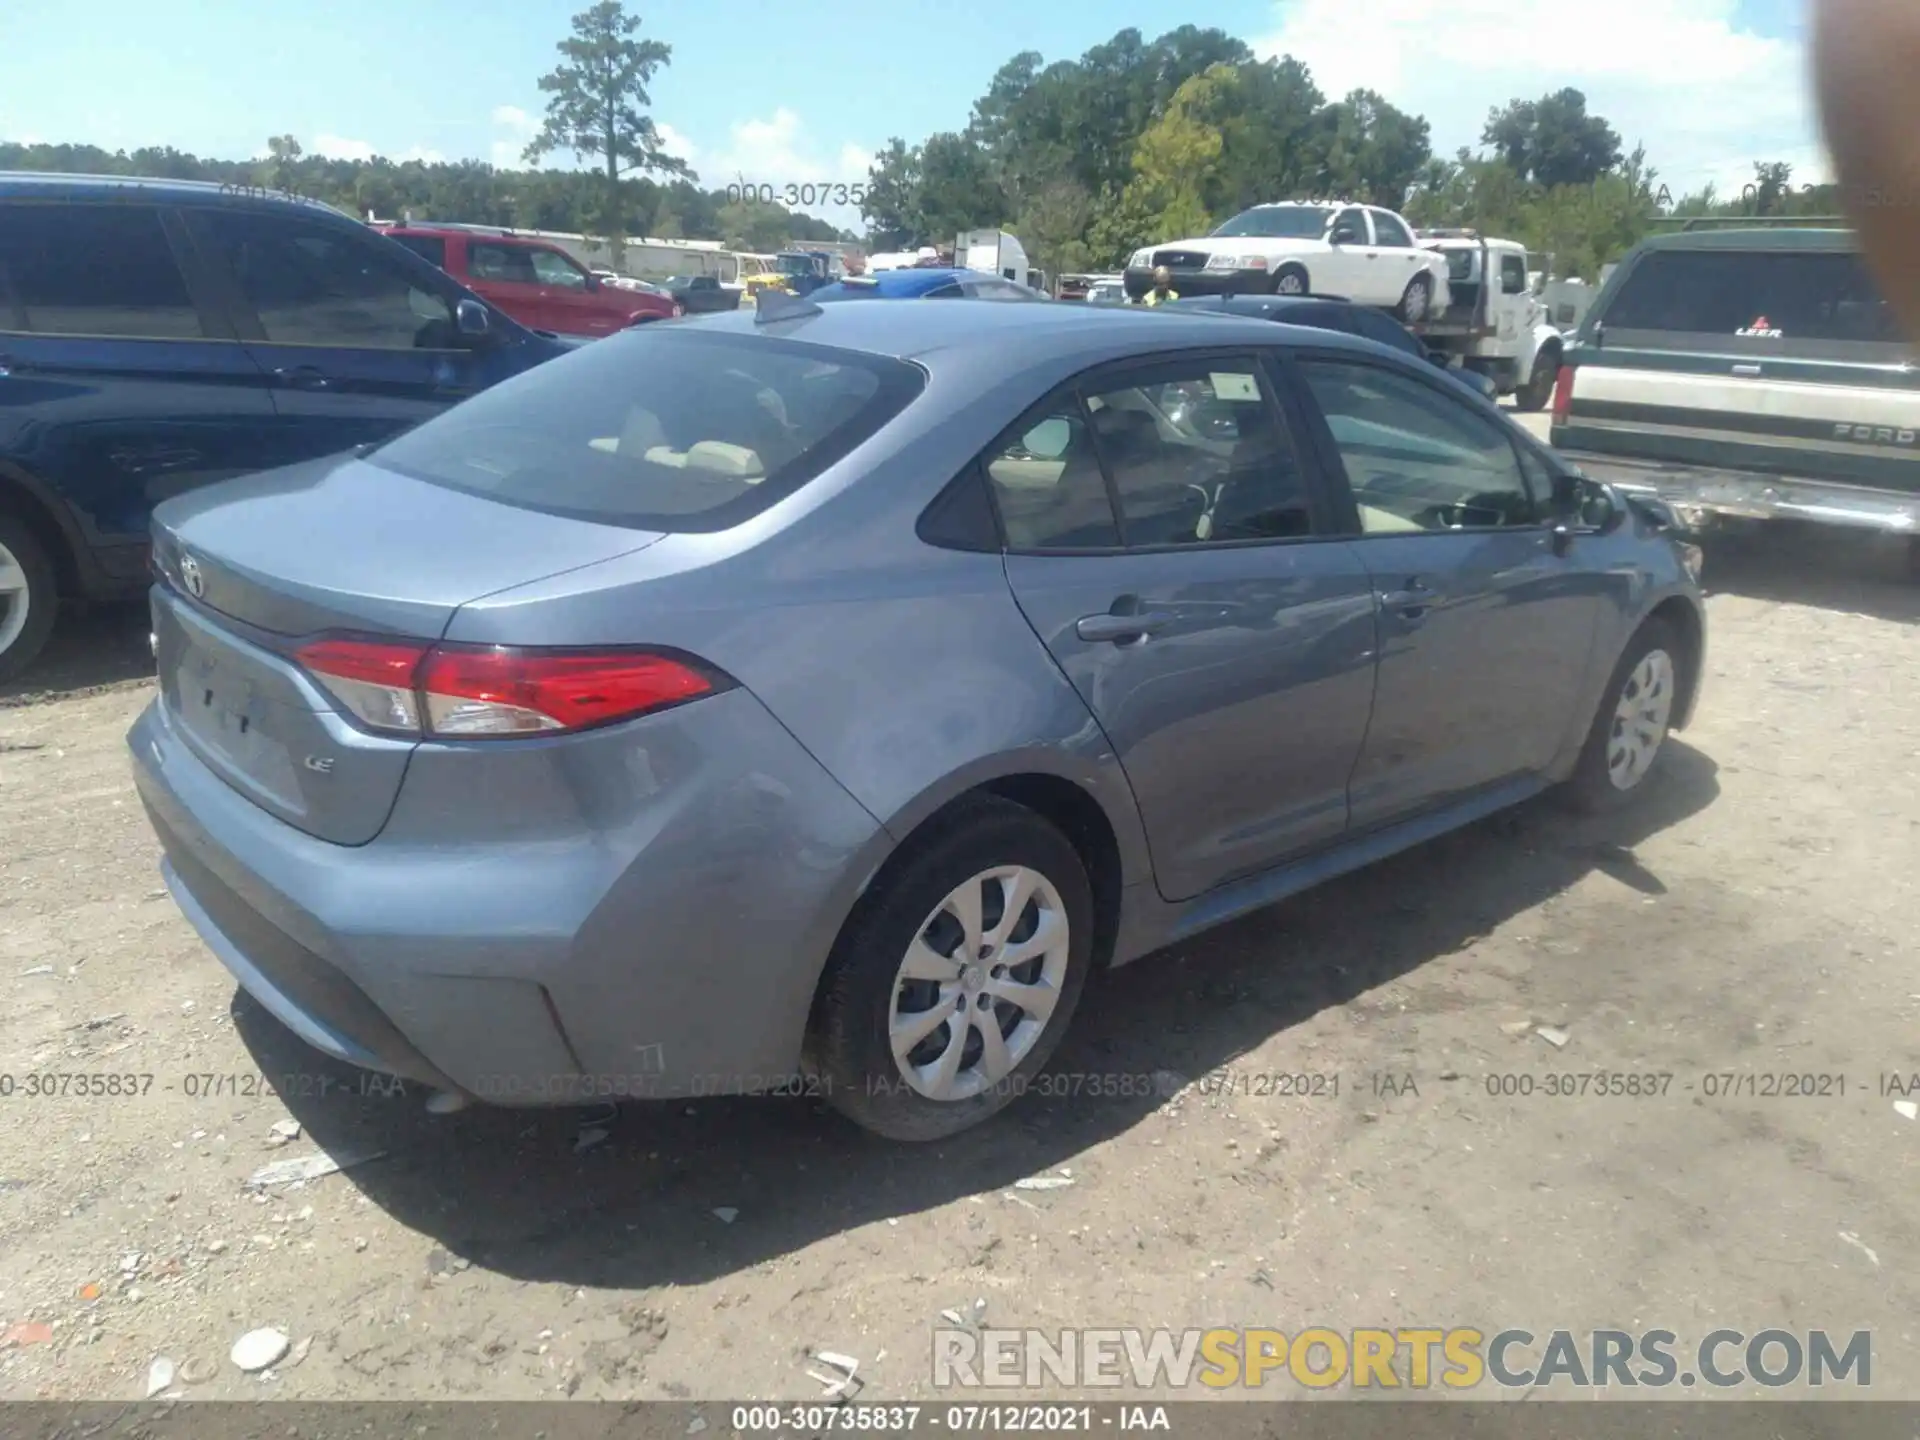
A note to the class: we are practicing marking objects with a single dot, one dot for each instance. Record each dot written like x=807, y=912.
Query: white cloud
x=777, y=151
x=335, y=147
x=508, y=151
x=674, y=143
x=1706, y=98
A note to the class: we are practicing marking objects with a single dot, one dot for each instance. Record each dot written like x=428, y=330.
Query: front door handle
x=1097, y=628
x=301, y=377
x=1411, y=603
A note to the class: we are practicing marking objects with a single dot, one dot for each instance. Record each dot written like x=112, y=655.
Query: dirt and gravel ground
x=1757, y=917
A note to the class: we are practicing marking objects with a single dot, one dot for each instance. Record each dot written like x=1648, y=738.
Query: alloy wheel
x=15, y=598
x=973, y=994
x=1640, y=720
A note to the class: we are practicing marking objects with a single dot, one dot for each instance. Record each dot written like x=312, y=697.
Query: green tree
x=1373, y=151
x=957, y=190
x=283, y=162
x=892, y=203
x=1553, y=140
x=597, y=103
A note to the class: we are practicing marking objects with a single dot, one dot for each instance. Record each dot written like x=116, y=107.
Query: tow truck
x=1494, y=324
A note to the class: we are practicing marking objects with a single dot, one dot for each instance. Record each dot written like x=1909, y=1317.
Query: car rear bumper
x=641, y=911
x=1697, y=495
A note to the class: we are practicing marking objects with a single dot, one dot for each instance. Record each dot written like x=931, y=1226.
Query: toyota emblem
x=191, y=576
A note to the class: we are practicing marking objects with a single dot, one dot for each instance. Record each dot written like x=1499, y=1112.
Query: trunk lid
x=251, y=567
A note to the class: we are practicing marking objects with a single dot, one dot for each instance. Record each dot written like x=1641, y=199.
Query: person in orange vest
x=1163, y=290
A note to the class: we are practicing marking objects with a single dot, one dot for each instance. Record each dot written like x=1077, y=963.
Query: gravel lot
x=1756, y=917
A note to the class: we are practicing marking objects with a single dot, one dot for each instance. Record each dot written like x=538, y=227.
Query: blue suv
x=157, y=335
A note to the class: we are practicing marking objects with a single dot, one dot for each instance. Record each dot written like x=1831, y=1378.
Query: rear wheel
x=1417, y=300
x=27, y=599
x=951, y=987
x=1290, y=280
x=1629, y=735
x=1538, y=390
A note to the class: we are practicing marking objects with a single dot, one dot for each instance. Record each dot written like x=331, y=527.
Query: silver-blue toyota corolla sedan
x=828, y=692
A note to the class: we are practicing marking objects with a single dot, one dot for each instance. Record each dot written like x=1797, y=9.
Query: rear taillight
x=468, y=692
x=1562, y=394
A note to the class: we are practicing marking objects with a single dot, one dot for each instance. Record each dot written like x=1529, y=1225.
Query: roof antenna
x=773, y=306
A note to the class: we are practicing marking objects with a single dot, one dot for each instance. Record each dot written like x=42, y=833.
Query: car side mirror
x=1602, y=508
x=473, y=320
x=593, y=282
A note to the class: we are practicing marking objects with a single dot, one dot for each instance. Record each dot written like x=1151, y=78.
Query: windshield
x=795, y=265
x=1280, y=222
x=660, y=429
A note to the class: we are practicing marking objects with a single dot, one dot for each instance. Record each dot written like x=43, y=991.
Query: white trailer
x=994, y=252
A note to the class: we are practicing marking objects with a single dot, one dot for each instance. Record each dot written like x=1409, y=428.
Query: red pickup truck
x=534, y=281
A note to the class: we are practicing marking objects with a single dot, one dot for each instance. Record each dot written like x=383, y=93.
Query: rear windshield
x=1782, y=298
x=1461, y=264
x=660, y=428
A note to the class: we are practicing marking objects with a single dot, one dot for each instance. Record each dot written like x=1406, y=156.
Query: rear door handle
x=301, y=377
x=1097, y=628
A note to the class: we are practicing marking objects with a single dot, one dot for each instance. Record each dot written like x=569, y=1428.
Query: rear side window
x=430, y=248
x=92, y=270
x=1778, y=296
x=658, y=429
x=1389, y=231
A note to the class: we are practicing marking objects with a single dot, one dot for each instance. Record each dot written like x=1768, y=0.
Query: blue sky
x=781, y=93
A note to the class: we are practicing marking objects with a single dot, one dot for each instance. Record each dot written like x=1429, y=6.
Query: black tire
x=1591, y=788
x=1913, y=558
x=1411, y=311
x=41, y=598
x=849, y=1049
x=1538, y=390
x=1295, y=275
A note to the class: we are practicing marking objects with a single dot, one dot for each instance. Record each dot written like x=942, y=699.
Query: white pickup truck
x=1495, y=324
x=1359, y=252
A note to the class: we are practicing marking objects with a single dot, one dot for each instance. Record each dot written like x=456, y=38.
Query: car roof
x=967, y=334
x=57, y=185
x=1263, y=307
x=490, y=237
x=1756, y=237
x=916, y=281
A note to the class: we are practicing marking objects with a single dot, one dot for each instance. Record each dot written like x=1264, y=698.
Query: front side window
x=1349, y=228
x=1197, y=454
x=1417, y=459
x=1513, y=274
x=505, y=264
x=660, y=429
x=552, y=268
x=91, y=270
x=313, y=285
